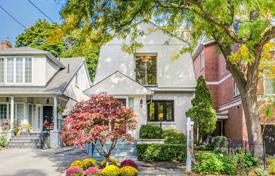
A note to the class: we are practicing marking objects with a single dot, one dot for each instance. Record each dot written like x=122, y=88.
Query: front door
x=47, y=118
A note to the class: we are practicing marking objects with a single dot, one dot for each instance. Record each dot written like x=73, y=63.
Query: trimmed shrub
x=3, y=141
x=271, y=166
x=128, y=171
x=220, y=142
x=88, y=162
x=128, y=162
x=76, y=163
x=92, y=171
x=111, y=170
x=111, y=162
x=150, y=132
x=161, y=152
x=173, y=136
x=213, y=163
x=74, y=171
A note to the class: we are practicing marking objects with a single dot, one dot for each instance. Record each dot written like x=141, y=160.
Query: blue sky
x=26, y=14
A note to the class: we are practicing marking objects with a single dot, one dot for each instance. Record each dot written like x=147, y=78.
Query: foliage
x=128, y=162
x=92, y=171
x=150, y=131
x=74, y=171
x=76, y=163
x=101, y=119
x=3, y=141
x=128, y=171
x=37, y=36
x=220, y=143
x=213, y=163
x=173, y=136
x=271, y=165
x=26, y=127
x=112, y=161
x=161, y=152
x=244, y=160
x=88, y=162
x=202, y=113
x=4, y=124
x=110, y=170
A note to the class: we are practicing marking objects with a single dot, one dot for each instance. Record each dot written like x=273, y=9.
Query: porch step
x=30, y=140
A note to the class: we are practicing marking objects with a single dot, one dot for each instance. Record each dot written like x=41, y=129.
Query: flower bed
x=90, y=167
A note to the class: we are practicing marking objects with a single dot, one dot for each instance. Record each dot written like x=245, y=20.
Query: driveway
x=37, y=162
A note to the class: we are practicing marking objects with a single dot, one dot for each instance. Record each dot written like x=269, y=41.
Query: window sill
x=163, y=123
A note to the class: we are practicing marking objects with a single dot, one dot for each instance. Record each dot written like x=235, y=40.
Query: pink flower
x=72, y=171
x=92, y=171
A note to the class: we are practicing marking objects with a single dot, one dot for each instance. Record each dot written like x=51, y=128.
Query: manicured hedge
x=161, y=152
x=150, y=132
x=173, y=136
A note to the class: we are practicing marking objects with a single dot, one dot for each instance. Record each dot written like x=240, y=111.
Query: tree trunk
x=250, y=107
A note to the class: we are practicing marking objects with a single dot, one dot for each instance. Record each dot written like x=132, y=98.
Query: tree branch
x=267, y=36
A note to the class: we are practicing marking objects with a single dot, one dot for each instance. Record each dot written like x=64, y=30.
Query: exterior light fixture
x=141, y=102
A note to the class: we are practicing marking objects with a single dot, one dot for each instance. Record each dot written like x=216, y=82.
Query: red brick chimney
x=5, y=44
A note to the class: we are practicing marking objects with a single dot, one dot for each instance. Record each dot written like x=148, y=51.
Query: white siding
x=38, y=70
x=51, y=69
x=171, y=72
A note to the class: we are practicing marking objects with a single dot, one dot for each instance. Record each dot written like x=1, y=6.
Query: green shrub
x=3, y=141
x=150, y=132
x=161, y=152
x=220, y=142
x=213, y=163
x=244, y=160
x=271, y=165
x=173, y=136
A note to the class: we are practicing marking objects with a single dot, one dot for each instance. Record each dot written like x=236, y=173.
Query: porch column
x=54, y=134
x=12, y=112
x=55, y=114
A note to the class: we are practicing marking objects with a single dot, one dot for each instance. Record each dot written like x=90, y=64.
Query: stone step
x=25, y=140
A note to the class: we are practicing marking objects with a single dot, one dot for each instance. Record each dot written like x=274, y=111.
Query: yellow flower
x=128, y=171
x=111, y=171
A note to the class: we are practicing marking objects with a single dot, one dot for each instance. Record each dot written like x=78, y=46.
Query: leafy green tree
x=51, y=37
x=202, y=113
x=244, y=24
x=37, y=36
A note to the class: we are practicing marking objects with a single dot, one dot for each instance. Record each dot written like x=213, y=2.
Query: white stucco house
x=36, y=88
x=150, y=80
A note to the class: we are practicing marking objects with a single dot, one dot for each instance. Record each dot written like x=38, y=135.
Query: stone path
x=36, y=162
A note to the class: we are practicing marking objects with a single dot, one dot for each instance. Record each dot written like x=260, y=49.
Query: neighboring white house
x=37, y=88
x=151, y=81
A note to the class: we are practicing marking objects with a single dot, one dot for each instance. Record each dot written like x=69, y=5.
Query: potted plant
x=26, y=128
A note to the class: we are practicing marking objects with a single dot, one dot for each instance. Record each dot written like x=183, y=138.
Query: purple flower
x=128, y=162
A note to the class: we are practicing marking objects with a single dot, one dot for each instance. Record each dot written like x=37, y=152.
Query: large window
x=269, y=86
x=202, y=61
x=146, y=69
x=3, y=111
x=161, y=110
x=18, y=70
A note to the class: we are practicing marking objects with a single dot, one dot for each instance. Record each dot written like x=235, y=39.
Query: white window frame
x=202, y=61
x=236, y=89
x=14, y=71
x=124, y=97
x=7, y=106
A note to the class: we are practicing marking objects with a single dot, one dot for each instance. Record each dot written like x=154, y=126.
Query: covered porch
x=41, y=113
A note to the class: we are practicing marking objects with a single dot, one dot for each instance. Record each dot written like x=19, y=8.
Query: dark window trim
x=156, y=110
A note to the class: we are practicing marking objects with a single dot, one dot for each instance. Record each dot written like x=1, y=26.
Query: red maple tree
x=102, y=118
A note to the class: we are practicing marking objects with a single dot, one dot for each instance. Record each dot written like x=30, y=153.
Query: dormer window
x=146, y=69
x=16, y=70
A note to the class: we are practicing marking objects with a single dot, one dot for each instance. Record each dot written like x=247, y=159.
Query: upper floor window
x=202, y=61
x=16, y=70
x=146, y=69
x=269, y=86
x=236, y=89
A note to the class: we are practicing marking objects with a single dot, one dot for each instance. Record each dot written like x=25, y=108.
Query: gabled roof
x=29, y=51
x=56, y=85
x=118, y=84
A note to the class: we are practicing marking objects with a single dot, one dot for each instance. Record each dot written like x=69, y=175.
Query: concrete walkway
x=36, y=162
